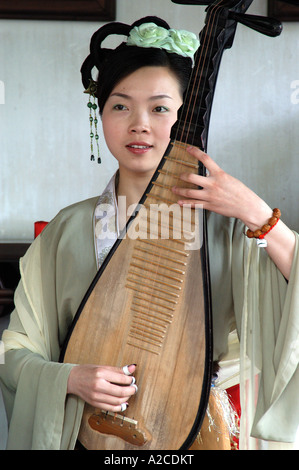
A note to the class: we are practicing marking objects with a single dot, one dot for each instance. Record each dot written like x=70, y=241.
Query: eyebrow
x=152, y=98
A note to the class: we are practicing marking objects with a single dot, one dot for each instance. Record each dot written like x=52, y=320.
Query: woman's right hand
x=104, y=387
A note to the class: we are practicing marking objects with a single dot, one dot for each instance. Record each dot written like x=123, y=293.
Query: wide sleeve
x=55, y=273
x=41, y=416
x=266, y=309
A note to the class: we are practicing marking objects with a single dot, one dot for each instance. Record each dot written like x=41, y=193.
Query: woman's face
x=138, y=116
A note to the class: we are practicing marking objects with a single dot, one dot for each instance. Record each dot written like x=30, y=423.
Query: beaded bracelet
x=262, y=232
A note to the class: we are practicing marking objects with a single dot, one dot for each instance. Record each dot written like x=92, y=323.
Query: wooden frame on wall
x=283, y=11
x=75, y=10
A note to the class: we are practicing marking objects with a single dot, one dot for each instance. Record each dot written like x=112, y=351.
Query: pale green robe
x=247, y=289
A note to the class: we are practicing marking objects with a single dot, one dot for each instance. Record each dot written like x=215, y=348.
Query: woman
x=140, y=89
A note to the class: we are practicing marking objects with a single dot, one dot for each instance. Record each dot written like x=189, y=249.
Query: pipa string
x=203, y=57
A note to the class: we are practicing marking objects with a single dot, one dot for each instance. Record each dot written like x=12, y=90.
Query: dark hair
x=115, y=64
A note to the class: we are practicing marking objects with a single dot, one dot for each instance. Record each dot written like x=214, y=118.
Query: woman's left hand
x=222, y=193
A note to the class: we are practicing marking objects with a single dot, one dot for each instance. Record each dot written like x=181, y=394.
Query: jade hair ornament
x=179, y=42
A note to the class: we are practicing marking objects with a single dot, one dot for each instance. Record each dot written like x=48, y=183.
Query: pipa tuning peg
x=269, y=26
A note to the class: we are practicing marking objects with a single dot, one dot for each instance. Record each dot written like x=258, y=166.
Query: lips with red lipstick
x=139, y=147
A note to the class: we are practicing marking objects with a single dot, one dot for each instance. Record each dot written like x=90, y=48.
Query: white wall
x=44, y=128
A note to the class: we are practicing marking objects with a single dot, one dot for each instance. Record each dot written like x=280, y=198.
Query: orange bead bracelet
x=262, y=232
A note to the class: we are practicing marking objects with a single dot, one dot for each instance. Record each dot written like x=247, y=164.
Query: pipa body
x=147, y=306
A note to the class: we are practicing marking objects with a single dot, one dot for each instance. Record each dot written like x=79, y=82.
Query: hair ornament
x=92, y=88
x=93, y=120
x=179, y=42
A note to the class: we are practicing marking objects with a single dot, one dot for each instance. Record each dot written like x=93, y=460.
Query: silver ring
x=123, y=407
x=126, y=370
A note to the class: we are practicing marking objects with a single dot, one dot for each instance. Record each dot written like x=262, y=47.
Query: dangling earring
x=93, y=120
